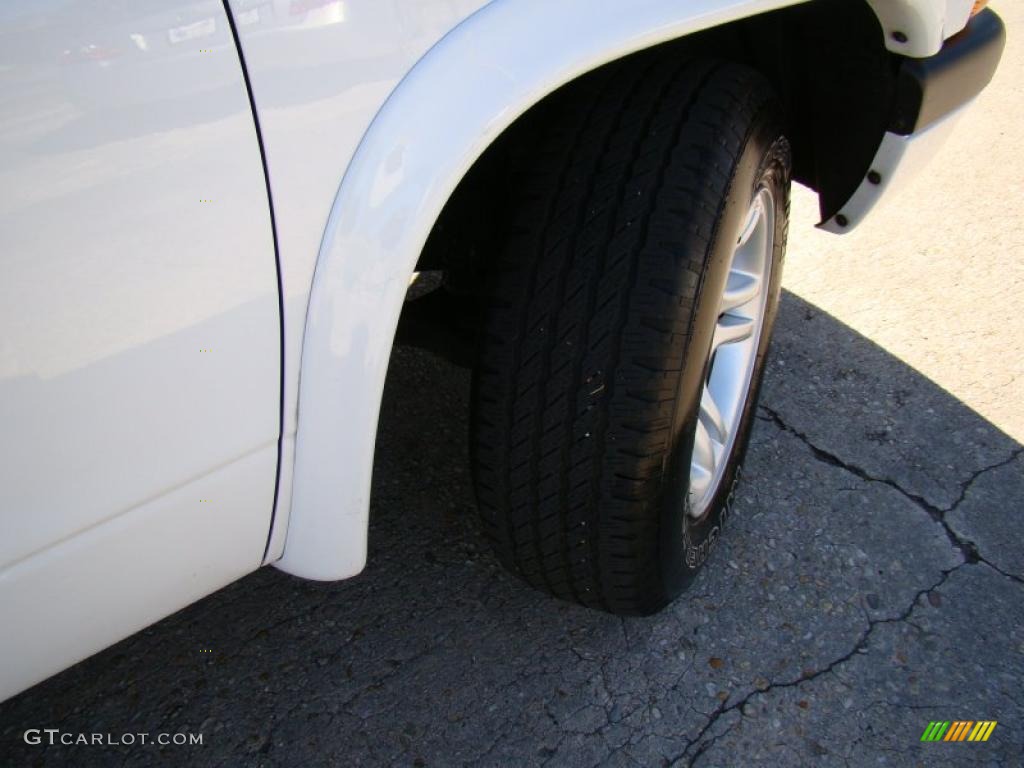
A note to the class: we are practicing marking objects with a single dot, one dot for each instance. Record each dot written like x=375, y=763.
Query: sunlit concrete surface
x=936, y=275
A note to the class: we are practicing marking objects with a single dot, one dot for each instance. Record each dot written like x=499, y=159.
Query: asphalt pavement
x=871, y=579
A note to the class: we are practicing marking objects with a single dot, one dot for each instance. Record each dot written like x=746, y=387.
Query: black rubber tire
x=596, y=336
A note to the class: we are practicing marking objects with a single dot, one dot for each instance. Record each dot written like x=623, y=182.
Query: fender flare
x=917, y=28
x=446, y=111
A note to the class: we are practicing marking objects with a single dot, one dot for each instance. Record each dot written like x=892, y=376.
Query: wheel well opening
x=825, y=59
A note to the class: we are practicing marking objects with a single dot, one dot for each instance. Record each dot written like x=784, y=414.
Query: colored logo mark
x=958, y=730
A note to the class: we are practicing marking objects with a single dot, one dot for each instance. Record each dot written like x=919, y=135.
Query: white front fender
x=446, y=111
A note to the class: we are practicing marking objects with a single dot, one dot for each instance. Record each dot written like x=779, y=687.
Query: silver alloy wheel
x=733, y=352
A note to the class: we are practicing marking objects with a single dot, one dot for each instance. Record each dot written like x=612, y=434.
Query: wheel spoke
x=753, y=216
x=700, y=480
x=702, y=465
x=731, y=329
x=741, y=288
x=712, y=419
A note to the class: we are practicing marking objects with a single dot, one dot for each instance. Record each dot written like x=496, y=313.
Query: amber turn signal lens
x=978, y=5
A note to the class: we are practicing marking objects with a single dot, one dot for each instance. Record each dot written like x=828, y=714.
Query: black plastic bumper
x=928, y=89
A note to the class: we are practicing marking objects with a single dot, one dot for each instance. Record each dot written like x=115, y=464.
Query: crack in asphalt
x=860, y=646
x=1001, y=572
x=967, y=548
